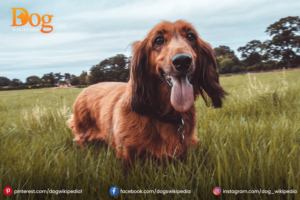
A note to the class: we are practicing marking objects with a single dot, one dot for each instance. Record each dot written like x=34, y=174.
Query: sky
x=87, y=32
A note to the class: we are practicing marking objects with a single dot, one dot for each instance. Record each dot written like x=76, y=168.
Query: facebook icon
x=114, y=191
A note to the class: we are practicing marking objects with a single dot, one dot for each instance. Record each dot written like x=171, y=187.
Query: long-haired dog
x=154, y=112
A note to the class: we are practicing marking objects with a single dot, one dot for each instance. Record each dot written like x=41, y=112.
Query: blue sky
x=87, y=32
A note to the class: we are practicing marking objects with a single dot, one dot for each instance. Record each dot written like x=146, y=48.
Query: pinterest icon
x=8, y=191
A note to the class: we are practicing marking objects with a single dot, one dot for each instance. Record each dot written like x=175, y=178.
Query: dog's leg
x=81, y=122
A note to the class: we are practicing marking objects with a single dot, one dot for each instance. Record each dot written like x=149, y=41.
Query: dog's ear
x=141, y=89
x=206, y=77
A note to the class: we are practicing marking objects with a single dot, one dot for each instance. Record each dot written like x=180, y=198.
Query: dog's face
x=186, y=64
x=174, y=48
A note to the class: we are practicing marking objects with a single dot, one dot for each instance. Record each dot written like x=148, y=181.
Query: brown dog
x=154, y=112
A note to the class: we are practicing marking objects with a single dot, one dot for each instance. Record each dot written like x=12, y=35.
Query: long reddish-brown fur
x=129, y=110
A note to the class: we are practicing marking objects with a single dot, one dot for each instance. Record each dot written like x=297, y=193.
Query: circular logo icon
x=217, y=191
x=8, y=191
x=114, y=191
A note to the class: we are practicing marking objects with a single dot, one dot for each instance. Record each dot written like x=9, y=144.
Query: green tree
x=48, y=78
x=236, y=60
x=224, y=51
x=251, y=53
x=4, y=81
x=15, y=82
x=285, y=43
x=31, y=80
x=82, y=78
x=75, y=80
x=87, y=80
x=67, y=76
x=120, y=68
x=112, y=69
x=226, y=65
x=97, y=74
x=58, y=77
x=238, y=68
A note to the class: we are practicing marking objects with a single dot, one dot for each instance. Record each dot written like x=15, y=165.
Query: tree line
x=282, y=50
x=46, y=79
x=115, y=68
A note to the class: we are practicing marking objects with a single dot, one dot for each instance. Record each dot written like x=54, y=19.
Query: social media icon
x=114, y=191
x=217, y=191
x=8, y=191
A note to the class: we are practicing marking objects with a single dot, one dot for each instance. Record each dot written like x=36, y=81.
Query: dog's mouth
x=168, y=78
x=182, y=92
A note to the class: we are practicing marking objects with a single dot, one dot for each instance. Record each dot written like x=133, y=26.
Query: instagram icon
x=217, y=191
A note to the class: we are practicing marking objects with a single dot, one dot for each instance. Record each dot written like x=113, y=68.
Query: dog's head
x=174, y=57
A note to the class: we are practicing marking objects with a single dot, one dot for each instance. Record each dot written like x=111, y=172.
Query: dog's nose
x=182, y=61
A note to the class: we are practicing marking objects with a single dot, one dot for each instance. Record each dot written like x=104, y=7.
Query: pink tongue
x=182, y=94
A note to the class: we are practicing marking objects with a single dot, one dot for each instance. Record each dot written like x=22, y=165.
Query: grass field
x=252, y=143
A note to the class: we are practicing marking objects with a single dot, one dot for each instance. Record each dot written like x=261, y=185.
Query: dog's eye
x=191, y=37
x=159, y=40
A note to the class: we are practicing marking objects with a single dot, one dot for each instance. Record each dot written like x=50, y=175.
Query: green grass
x=252, y=143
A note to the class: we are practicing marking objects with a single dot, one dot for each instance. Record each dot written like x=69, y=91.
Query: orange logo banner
x=25, y=17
